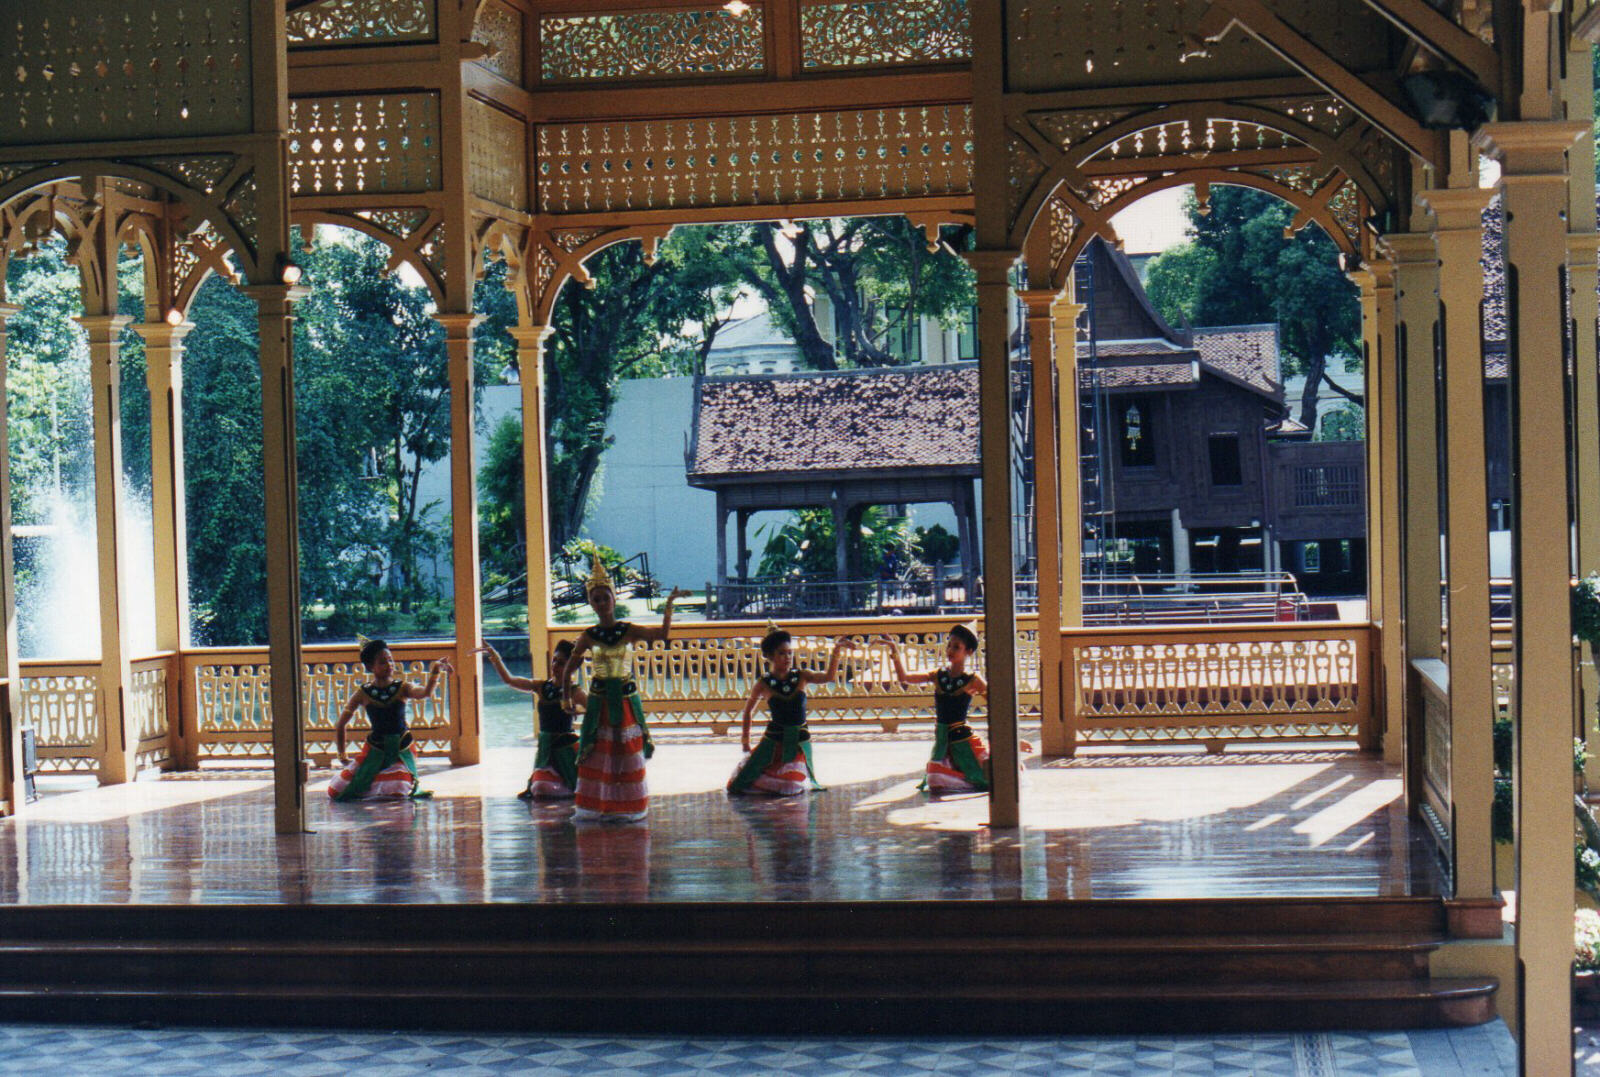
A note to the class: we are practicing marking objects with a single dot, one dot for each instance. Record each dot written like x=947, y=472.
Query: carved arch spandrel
x=555, y=255
x=1059, y=235
x=409, y=233
x=224, y=200
x=1063, y=172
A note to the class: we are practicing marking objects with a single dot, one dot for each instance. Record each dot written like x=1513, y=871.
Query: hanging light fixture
x=736, y=8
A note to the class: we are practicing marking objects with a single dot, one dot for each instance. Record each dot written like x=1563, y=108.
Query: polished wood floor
x=1262, y=823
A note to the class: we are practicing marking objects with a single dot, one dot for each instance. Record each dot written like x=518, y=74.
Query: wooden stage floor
x=1288, y=822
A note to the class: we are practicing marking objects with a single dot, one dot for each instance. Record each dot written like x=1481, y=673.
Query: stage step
x=1043, y=967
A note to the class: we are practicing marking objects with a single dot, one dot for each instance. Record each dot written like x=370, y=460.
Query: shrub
x=1586, y=940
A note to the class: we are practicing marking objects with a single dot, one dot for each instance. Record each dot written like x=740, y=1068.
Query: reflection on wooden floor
x=1266, y=823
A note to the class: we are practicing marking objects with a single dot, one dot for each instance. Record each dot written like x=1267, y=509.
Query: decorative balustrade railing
x=1214, y=684
x=229, y=699
x=60, y=701
x=1173, y=685
x=819, y=597
x=704, y=676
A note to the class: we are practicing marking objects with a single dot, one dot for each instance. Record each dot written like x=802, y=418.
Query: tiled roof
x=1121, y=375
x=1248, y=353
x=1494, y=276
x=874, y=420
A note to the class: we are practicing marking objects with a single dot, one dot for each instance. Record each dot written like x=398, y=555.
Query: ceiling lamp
x=736, y=8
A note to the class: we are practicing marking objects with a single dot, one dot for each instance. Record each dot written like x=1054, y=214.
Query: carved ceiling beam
x=1189, y=162
x=1442, y=36
x=1256, y=19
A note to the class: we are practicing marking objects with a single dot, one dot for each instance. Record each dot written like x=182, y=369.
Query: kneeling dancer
x=385, y=767
x=781, y=764
x=960, y=760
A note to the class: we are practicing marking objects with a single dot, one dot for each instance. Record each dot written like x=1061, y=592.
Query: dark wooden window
x=1136, y=431
x=1225, y=467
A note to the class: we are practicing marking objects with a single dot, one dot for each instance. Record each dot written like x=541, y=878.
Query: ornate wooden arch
x=1059, y=235
x=557, y=255
x=1074, y=163
x=217, y=189
x=412, y=236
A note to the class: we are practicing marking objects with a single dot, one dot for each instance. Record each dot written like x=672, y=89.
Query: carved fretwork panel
x=370, y=143
x=652, y=44
x=361, y=22
x=498, y=27
x=878, y=33
x=791, y=158
x=497, y=162
x=98, y=70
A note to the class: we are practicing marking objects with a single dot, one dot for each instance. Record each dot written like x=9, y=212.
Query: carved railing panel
x=499, y=29
x=98, y=70
x=704, y=675
x=149, y=704
x=652, y=44
x=880, y=33
x=232, y=688
x=361, y=22
x=1204, y=684
x=497, y=162
x=60, y=700
x=792, y=158
x=364, y=144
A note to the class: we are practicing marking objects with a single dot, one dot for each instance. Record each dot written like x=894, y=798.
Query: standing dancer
x=614, y=743
x=960, y=761
x=781, y=763
x=385, y=767
x=555, y=761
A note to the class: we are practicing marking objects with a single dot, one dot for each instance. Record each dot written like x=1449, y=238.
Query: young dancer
x=614, y=743
x=555, y=761
x=385, y=767
x=781, y=764
x=960, y=761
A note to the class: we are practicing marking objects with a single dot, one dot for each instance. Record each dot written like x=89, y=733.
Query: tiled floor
x=104, y=1052
x=1295, y=822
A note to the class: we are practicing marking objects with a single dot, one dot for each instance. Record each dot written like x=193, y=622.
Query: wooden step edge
x=1168, y=944
x=699, y=996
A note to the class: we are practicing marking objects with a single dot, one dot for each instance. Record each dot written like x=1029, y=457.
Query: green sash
x=557, y=753
x=962, y=757
x=766, y=753
x=385, y=752
x=608, y=694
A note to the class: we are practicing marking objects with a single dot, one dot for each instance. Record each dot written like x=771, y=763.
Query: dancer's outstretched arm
x=663, y=631
x=900, y=663
x=521, y=684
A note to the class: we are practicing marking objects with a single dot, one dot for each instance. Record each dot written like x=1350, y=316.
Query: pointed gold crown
x=772, y=626
x=598, y=577
x=971, y=626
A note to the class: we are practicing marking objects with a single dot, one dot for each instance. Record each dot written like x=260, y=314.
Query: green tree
x=1241, y=269
x=503, y=533
x=805, y=543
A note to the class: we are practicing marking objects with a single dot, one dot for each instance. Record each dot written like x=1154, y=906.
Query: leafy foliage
x=805, y=544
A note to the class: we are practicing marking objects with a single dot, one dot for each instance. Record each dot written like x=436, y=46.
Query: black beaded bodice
x=788, y=699
x=950, y=698
x=386, y=708
x=553, y=717
x=610, y=635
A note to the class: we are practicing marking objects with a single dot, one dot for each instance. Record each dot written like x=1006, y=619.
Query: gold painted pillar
x=11, y=791
x=274, y=303
x=163, y=351
x=467, y=744
x=1578, y=93
x=1065, y=313
x=999, y=585
x=535, y=488
x=1534, y=178
x=1047, y=517
x=1379, y=338
x=116, y=677
x=1417, y=440
x=1458, y=213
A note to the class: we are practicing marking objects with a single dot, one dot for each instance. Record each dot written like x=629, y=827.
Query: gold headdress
x=772, y=626
x=598, y=577
x=967, y=632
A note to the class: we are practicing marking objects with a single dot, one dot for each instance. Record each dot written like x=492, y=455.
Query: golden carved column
x=466, y=746
x=535, y=487
x=1047, y=515
x=115, y=677
x=1458, y=212
x=11, y=792
x=274, y=316
x=1379, y=338
x=999, y=585
x=1534, y=180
